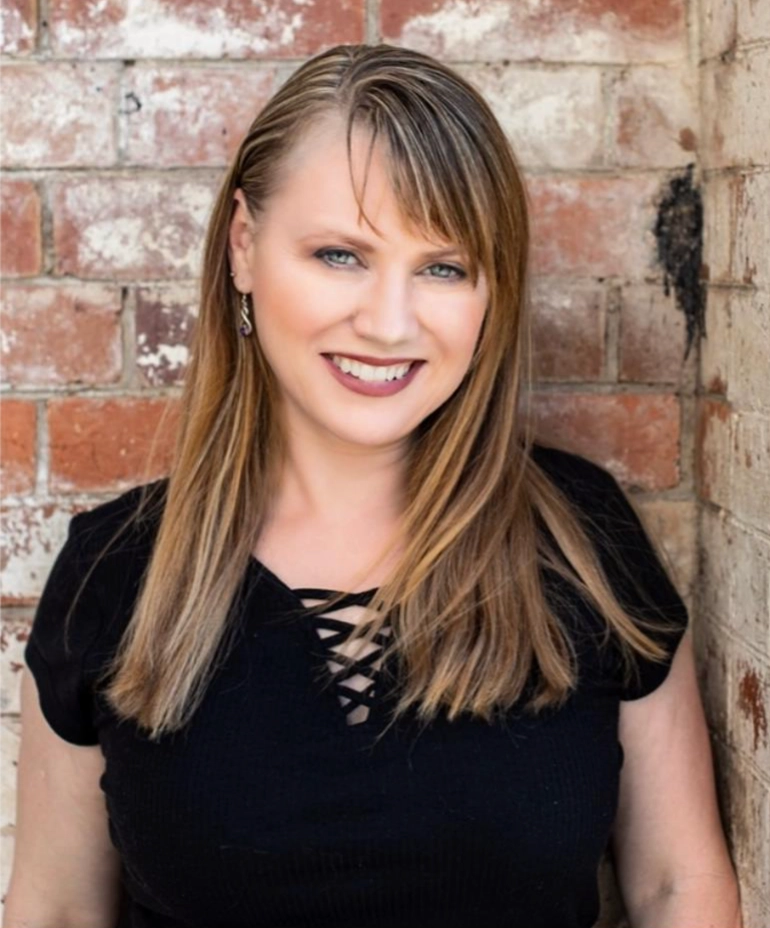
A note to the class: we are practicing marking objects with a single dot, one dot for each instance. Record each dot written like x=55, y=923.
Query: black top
x=271, y=811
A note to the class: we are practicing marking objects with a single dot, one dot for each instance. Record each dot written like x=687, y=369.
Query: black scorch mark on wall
x=679, y=233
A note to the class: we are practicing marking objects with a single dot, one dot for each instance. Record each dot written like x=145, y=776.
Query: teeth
x=369, y=372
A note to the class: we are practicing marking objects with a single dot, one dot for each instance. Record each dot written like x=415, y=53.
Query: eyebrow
x=365, y=247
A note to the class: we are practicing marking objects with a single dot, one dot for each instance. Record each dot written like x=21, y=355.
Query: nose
x=386, y=311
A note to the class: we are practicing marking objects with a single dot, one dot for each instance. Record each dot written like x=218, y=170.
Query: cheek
x=295, y=306
x=459, y=331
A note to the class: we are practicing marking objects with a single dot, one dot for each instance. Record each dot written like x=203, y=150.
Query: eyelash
x=323, y=254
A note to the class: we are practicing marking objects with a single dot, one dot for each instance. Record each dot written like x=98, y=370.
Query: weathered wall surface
x=733, y=438
x=116, y=128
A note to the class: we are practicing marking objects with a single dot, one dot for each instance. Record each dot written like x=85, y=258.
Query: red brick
x=61, y=335
x=17, y=447
x=164, y=321
x=652, y=336
x=593, y=226
x=130, y=226
x=100, y=445
x=20, y=231
x=635, y=436
x=18, y=27
x=551, y=30
x=190, y=116
x=568, y=330
x=654, y=117
x=58, y=114
x=31, y=537
x=712, y=444
x=200, y=29
x=733, y=97
x=554, y=118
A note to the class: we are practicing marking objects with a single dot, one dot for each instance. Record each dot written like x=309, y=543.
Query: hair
x=466, y=599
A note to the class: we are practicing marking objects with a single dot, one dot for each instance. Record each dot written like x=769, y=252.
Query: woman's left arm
x=670, y=852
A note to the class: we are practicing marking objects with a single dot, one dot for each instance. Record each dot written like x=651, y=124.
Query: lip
x=367, y=388
x=374, y=362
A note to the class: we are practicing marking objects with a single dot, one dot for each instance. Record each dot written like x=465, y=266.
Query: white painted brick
x=672, y=525
x=58, y=114
x=10, y=734
x=496, y=30
x=750, y=472
x=751, y=264
x=553, y=117
x=749, y=583
x=190, y=115
x=749, y=372
x=734, y=103
x=736, y=228
x=715, y=348
x=32, y=536
x=754, y=26
x=718, y=26
x=130, y=226
x=654, y=117
x=14, y=632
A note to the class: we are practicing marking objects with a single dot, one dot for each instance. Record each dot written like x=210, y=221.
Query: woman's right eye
x=336, y=257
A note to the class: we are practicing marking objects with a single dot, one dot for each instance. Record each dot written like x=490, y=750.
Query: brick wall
x=115, y=131
x=733, y=434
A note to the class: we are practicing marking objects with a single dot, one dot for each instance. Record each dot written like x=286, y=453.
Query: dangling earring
x=245, y=327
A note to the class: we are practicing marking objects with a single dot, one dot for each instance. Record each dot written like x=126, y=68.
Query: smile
x=369, y=372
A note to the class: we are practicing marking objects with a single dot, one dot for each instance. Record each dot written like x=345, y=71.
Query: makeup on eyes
x=322, y=254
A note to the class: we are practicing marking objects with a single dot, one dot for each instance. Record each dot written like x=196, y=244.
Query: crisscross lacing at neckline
x=354, y=677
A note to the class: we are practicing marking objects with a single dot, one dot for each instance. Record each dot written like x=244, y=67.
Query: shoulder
x=125, y=524
x=588, y=486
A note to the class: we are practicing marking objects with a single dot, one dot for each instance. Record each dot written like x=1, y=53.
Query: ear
x=240, y=243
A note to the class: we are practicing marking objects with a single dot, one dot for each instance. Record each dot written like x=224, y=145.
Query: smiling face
x=367, y=332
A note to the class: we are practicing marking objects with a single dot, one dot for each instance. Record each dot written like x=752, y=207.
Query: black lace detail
x=339, y=631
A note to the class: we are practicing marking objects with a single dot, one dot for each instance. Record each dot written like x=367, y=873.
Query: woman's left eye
x=448, y=272
x=331, y=256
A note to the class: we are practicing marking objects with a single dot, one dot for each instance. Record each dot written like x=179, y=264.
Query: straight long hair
x=465, y=600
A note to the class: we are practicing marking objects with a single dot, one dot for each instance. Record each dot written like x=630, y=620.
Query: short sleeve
x=56, y=652
x=641, y=583
x=636, y=574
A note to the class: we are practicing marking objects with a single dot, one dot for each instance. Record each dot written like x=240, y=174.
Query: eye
x=447, y=272
x=336, y=257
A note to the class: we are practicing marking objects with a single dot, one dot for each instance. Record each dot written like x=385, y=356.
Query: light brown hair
x=466, y=601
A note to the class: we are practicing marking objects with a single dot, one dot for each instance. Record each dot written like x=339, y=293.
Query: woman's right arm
x=66, y=871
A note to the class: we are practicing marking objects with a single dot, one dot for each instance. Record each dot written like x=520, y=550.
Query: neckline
x=318, y=592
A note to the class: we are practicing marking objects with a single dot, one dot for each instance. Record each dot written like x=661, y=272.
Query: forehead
x=319, y=178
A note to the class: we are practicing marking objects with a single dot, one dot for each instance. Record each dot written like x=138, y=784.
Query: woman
x=368, y=657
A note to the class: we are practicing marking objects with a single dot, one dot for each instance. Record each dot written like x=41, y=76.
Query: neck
x=339, y=485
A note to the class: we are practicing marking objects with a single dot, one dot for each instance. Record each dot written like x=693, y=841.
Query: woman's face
x=367, y=332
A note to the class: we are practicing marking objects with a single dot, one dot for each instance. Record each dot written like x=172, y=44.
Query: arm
x=66, y=872
x=670, y=852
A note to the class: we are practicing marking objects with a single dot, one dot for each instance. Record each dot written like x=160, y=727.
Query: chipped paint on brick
x=751, y=703
x=131, y=227
x=32, y=535
x=602, y=30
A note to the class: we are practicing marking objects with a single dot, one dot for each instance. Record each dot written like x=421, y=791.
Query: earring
x=245, y=326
